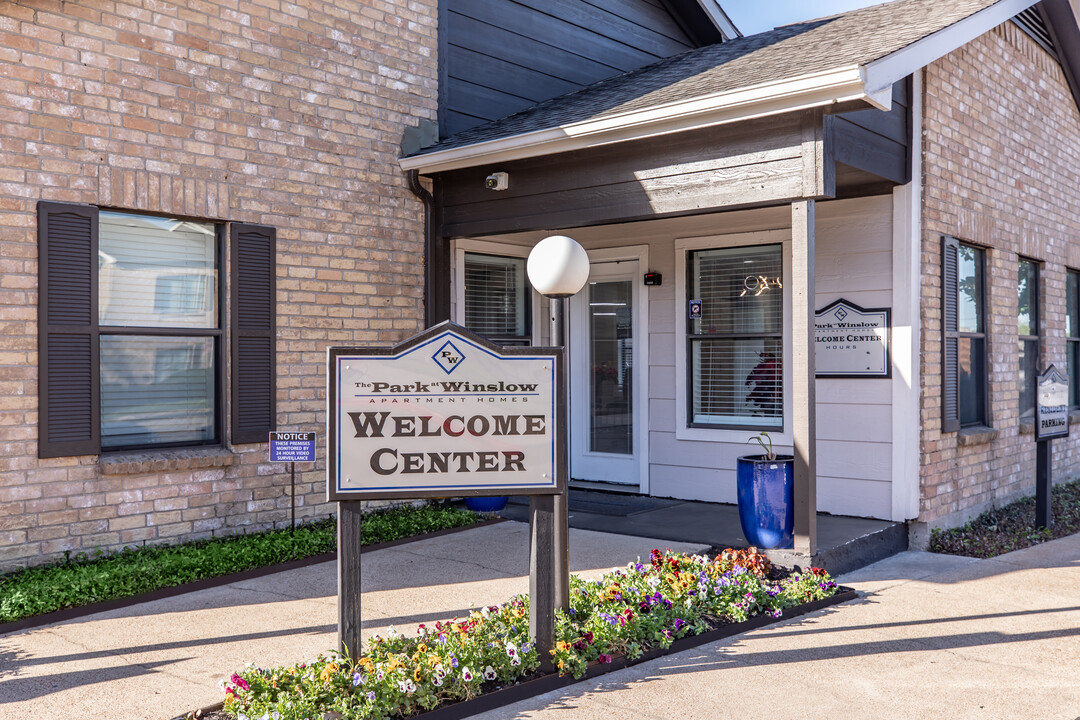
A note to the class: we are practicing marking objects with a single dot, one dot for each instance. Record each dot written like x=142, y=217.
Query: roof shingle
x=854, y=38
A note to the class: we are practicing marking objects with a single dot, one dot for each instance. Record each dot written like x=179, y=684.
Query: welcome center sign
x=443, y=413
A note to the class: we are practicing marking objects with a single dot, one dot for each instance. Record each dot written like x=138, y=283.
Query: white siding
x=853, y=261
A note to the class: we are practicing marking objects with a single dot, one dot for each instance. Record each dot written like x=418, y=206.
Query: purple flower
x=371, y=696
x=453, y=661
x=357, y=679
x=604, y=658
x=679, y=624
x=525, y=647
x=442, y=639
x=609, y=619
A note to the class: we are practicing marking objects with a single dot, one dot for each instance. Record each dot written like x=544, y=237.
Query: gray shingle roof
x=854, y=38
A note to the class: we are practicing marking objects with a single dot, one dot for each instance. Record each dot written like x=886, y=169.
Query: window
x=160, y=331
x=1028, y=329
x=964, y=371
x=498, y=298
x=1072, y=334
x=735, y=347
x=133, y=335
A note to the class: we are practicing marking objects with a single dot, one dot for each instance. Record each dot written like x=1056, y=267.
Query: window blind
x=736, y=347
x=497, y=298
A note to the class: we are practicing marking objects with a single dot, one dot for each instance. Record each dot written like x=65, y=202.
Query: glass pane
x=156, y=390
x=738, y=382
x=1029, y=370
x=1072, y=318
x=497, y=297
x=156, y=272
x=970, y=280
x=611, y=363
x=740, y=289
x=1028, y=292
x=971, y=380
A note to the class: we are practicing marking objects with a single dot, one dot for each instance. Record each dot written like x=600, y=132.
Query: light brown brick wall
x=1001, y=169
x=285, y=114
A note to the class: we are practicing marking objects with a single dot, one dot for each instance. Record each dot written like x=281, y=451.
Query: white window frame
x=683, y=246
x=486, y=247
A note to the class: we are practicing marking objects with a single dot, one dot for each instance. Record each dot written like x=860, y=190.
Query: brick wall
x=284, y=114
x=1001, y=169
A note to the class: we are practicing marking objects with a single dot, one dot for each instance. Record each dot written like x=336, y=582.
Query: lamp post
x=558, y=268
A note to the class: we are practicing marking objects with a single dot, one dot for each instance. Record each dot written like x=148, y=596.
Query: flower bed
x=626, y=613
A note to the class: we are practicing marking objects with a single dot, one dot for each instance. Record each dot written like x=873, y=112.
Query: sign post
x=1051, y=421
x=445, y=413
x=292, y=448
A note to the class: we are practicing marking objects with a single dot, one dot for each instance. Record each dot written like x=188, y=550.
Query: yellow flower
x=416, y=674
x=328, y=672
x=422, y=648
x=562, y=645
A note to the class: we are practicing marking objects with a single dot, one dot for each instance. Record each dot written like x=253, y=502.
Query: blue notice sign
x=292, y=447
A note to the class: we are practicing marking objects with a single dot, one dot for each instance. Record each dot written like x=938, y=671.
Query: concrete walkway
x=932, y=637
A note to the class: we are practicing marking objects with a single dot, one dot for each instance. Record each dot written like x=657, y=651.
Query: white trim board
x=823, y=88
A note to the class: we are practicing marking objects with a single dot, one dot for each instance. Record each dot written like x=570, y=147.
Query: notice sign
x=292, y=447
x=444, y=413
x=852, y=341
x=1052, y=405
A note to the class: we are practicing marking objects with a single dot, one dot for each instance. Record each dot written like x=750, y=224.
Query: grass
x=1012, y=527
x=83, y=580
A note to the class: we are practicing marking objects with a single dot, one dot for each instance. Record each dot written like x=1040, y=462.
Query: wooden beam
x=542, y=569
x=804, y=395
x=348, y=568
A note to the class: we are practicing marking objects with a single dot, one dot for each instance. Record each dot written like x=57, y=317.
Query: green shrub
x=82, y=579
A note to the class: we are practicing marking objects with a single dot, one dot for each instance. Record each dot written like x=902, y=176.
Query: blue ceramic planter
x=485, y=504
x=767, y=500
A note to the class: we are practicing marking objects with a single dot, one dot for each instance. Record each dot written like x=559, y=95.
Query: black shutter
x=69, y=412
x=253, y=329
x=950, y=420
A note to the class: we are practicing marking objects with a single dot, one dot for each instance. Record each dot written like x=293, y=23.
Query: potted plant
x=486, y=504
x=766, y=496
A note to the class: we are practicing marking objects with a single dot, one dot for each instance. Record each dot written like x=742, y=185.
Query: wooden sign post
x=447, y=413
x=1051, y=421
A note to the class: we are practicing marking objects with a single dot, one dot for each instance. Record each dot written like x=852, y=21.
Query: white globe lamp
x=558, y=267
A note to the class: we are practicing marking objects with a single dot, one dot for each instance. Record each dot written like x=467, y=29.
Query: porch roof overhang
x=848, y=61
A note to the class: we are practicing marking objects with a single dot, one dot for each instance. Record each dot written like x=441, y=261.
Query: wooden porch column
x=803, y=388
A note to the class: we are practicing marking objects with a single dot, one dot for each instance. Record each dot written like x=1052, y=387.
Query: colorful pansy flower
x=489, y=673
x=466, y=674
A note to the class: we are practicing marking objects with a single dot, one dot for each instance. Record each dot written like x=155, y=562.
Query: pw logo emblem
x=840, y=313
x=448, y=357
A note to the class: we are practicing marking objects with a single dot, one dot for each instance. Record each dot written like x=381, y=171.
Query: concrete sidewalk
x=932, y=637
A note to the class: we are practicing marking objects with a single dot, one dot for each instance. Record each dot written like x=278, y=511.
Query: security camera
x=497, y=181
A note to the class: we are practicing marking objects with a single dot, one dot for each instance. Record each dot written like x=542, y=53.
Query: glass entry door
x=605, y=430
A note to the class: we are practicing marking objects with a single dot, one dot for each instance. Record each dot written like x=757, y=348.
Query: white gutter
x=813, y=90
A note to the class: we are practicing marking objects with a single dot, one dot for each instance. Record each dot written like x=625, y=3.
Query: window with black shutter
x=964, y=344
x=1028, y=328
x=254, y=318
x=69, y=410
x=1072, y=334
x=132, y=332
